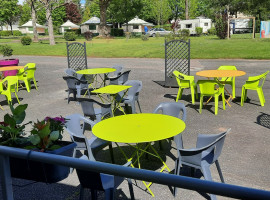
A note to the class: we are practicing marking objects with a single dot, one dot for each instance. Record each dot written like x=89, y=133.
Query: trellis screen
x=177, y=57
x=76, y=55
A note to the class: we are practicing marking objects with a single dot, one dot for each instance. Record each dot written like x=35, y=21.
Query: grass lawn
x=208, y=47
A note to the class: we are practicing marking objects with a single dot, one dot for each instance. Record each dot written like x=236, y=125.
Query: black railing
x=222, y=189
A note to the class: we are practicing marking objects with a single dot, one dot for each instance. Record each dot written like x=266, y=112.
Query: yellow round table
x=94, y=71
x=10, y=68
x=220, y=73
x=139, y=128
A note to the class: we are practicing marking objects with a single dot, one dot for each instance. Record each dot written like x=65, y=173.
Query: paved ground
x=245, y=157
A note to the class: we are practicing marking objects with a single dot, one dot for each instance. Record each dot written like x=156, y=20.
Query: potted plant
x=7, y=51
x=45, y=136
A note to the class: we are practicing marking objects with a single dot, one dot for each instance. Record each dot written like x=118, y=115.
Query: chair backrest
x=88, y=107
x=11, y=83
x=175, y=109
x=260, y=79
x=117, y=72
x=120, y=79
x=71, y=81
x=70, y=72
x=76, y=56
x=28, y=65
x=136, y=87
x=212, y=144
x=183, y=80
x=30, y=72
x=208, y=86
x=227, y=67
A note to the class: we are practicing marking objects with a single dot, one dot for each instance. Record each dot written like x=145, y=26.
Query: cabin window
x=135, y=27
x=30, y=28
x=92, y=27
x=205, y=24
x=188, y=25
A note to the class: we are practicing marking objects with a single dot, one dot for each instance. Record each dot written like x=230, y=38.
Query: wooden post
x=228, y=28
x=253, y=32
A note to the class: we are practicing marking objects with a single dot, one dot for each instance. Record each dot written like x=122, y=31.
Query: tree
x=103, y=5
x=161, y=11
x=73, y=13
x=86, y=14
x=25, y=14
x=9, y=12
x=186, y=9
x=49, y=6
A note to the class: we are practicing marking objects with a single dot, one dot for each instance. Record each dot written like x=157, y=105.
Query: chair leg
x=245, y=95
x=233, y=89
x=93, y=194
x=131, y=189
x=242, y=96
x=219, y=171
x=17, y=97
x=216, y=104
x=111, y=153
x=26, y=82
x=179, y=94
x=133, y=109
x=223, y=101
x=261, y=96
x=176, y=172
x=192, y=95
x=109, y=194
x=201, y=103
x=35, y=83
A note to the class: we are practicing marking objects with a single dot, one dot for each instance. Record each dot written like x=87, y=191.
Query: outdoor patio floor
x=245, y=157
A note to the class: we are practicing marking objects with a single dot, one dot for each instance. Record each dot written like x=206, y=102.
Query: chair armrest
x=252, y=81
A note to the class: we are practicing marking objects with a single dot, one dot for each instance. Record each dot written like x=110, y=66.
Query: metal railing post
x=5, y=177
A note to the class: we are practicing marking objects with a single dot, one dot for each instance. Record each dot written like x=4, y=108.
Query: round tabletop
x=138, y=128
x=10, y=68
x=220, y=73
x=96, y=71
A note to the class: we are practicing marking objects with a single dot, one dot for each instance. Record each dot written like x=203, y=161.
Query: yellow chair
x=27, y=74
x=185, y=81
x=228, y=80
x=253, y=83
x=208, y=88
x=10, y=83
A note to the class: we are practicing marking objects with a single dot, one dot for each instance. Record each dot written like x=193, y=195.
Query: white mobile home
x=191, y=24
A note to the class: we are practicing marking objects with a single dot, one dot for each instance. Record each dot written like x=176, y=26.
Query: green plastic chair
x=27, y=74
x=228, y=80
x=7, y=86
x=254, y=83
x=185, y=81
x=208, y=88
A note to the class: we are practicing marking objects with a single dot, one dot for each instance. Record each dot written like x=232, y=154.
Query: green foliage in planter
x=12, y=129
x=26, y=40
x=198, y=31
x=6, y=50
x=212, y=31
x=70, y=36
x=88, y=35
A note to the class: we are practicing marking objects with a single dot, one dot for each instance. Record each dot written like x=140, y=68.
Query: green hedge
x=70, y=36
x=9, y=33
x=118, y=32
x=26, y=40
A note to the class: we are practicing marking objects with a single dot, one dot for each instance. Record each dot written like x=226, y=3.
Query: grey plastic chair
x=115, y=73
x=99, y=181
x=75, y=127
x=132, y=95
x=89, y=107
x=120, y=79
x=174, y=109
x=75, y=86
x=207, y=152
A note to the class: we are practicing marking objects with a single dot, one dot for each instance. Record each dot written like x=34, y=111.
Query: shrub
x=88, y=35
x=199, y=31
x=26, y=40
x=118, y=32
x=212, y=31
x=221, y=25
x=76, y=31
x=5, y=33
x=70, y=36
x=17, y=33
x=145, y=37
x=6, y=50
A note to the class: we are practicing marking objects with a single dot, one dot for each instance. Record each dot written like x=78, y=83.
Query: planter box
x=42, y=172
x=6, y=63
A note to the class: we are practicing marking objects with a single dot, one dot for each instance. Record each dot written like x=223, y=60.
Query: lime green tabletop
x=138, y=128
x=111, y=89
x=96, y=71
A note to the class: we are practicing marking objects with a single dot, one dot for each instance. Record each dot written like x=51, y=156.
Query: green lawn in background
x=204, y=47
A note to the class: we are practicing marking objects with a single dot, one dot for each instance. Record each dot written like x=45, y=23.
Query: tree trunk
x=50, y=24
x=10, y=24
x=186, y=9
x=34, y=21
x=103, y=5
